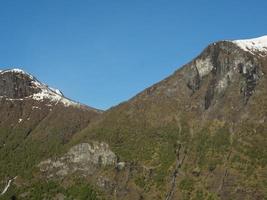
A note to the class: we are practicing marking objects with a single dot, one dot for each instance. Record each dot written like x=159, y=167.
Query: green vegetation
x=225, y=142
x=187, y=184
x=82, y=191
x=210, y=148
x=49, y=190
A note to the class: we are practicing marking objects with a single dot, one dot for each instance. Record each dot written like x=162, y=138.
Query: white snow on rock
x=16, y=70
x=255, y=45
x=46, y=92
x=56, y=91
x=51, y=94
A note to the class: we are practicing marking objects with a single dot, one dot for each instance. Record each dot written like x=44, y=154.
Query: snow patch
x=55, y=97
x=255, y=45
x=52, y=94
x=56, y=91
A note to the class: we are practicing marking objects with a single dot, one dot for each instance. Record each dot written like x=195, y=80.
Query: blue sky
x=102, y=52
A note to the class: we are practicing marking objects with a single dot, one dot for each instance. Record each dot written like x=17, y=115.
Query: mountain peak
x=253, y=45
x=17, y=71
x=16, y=84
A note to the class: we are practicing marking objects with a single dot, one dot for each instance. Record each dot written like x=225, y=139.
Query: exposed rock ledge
x=84, y=158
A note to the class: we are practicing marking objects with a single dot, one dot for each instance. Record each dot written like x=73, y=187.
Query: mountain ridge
x=45, y=92
x=217, y=108
x=35, y=123
x=253, y=46
x=198, y=134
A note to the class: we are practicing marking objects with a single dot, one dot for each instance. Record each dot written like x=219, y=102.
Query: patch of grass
x=187, y=184
x=49, y=189
x=82, y=192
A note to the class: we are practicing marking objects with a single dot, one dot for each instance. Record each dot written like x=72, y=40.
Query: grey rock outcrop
x=221, y=64
x=84, y=158
x=16, y=84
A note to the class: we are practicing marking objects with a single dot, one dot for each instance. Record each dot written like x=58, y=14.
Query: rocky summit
x=199, y=134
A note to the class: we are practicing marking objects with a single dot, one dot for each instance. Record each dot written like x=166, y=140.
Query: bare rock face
x=95, y=153
x=222, y=64
x=84, y=158
x=16, y=84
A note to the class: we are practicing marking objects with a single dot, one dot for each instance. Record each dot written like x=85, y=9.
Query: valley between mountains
x=199, y=134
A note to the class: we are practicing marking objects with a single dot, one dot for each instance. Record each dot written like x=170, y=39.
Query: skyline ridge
x=238, y=42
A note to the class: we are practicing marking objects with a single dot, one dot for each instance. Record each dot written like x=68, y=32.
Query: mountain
x=200, y=134
x=36, y=122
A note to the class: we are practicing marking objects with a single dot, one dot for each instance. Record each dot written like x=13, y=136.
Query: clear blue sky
x=102, y=52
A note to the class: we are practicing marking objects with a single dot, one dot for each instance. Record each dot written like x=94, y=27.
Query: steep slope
x=35, y=122
x=198, y=134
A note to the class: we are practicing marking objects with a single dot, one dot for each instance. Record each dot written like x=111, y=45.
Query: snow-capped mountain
x=16, y=84
x=35, y=121
x=254, y=45
x=198, y=134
